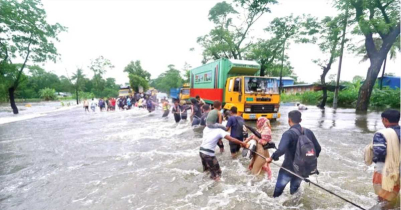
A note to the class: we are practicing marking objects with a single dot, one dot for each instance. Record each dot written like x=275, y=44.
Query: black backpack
x=305, y=159
x=239, y=131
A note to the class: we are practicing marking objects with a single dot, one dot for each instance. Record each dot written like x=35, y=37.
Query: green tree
x=135, y=68
x=79, y=82
x=169, y=79
x=226, y=39
x=266, y=53
x=25, y=35
x=187, y=72
x=375, y=18
x=48, y=94
x=64, y=85
x=40, y=79
x=330, y=35
x=100, y=66
x=269, y=52
x=361, y=50
x=137, y=81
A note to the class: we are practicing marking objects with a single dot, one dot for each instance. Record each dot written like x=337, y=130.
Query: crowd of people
x=140, y=100
x=298, y=144
x=236, y=132
x=384, y=150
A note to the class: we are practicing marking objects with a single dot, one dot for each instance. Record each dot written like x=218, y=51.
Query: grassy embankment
x=386, y=98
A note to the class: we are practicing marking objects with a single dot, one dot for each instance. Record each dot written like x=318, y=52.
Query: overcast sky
x=159, y=33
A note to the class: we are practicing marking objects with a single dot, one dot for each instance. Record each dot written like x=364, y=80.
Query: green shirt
x=212, y=117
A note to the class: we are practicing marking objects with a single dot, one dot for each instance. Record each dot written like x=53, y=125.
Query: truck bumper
x=255, y=116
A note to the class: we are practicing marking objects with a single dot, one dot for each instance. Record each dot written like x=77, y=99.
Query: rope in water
x=308, y=181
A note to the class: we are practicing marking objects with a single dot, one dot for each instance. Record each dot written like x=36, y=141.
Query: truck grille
x=262, y=108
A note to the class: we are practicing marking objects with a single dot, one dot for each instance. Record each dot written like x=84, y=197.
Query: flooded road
x=135, y=160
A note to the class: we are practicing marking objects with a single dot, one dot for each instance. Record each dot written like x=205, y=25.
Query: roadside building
x=301, y=88
x=390, y=81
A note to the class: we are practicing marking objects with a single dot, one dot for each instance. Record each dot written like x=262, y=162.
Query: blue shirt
x=232, y=123
x=380, y=145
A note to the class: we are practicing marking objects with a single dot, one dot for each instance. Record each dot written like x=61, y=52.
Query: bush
x=84, y=95
x=47, y=94
x=311, y=97
x=386, y=98
x=285, y=98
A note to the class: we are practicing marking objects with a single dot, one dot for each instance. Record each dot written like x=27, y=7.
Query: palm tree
x=361, y=50
x=79, y=78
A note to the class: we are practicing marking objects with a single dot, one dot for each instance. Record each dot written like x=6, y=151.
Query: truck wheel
x=273, y=120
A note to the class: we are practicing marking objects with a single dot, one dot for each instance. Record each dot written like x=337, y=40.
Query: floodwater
x=134, y=160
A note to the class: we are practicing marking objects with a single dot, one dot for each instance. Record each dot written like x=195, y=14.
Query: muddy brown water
x=135, y=160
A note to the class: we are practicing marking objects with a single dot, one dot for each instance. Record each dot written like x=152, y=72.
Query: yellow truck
x=233, y=82
x=125, y=91
x=185, y=93
x=181, y=94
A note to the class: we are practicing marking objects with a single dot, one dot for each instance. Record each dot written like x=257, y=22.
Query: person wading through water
x=258, y=163
x=200, y=100
x=166, y=108
x=86, y=105
x=288, y=146
x=176, y=111
x=207, y=154
x=384, y=151
x=215, y=118
x=206, y=110
x=235, y=124
x=196, y=113
x=184, y=110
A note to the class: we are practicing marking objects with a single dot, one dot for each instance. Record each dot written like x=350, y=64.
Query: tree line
x=170, y=78
x=26, y=36
x=375, y=22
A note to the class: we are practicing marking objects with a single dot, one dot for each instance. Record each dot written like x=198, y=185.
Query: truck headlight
x=276, y=107
x=247, y=109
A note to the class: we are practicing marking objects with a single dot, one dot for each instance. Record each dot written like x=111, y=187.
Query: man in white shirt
x=207, y=153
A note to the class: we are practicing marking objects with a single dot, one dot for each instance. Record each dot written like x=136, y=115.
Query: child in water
x=214, y=118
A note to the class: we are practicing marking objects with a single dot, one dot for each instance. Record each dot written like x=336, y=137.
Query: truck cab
x=125, y=91
x=235, y=83
x=181, y=94
x=253, y=96
x=185, y=93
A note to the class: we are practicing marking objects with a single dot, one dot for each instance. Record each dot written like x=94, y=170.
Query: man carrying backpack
x=235, y=123
x=301, y=150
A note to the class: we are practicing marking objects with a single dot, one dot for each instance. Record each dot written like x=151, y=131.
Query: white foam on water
x=17, y=118
x=21, y=116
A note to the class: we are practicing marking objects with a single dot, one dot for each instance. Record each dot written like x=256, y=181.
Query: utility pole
x=335, y=100
x=281, y=71
x=384, y=69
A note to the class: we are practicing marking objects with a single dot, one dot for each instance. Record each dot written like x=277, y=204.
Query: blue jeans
x=196, y=121
x=283, y=179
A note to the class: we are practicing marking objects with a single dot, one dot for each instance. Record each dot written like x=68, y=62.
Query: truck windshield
x=124, y=91
x=262, y=85
x=185, y=91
